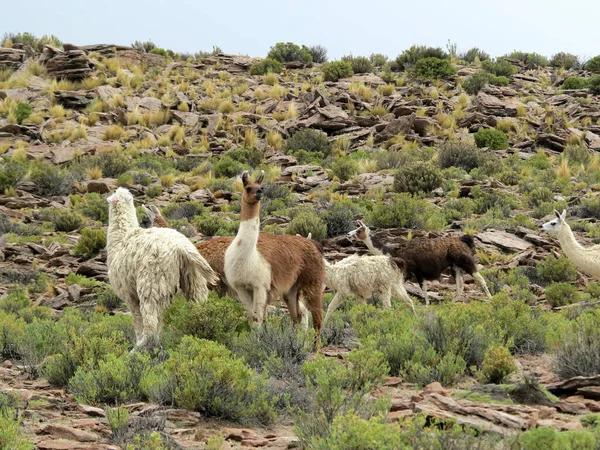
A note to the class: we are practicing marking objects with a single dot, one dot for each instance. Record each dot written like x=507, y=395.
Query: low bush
x=310, y=141
x=12, y=436
x=22, y=112
x=318, y=54
x=531, y=59
x=594, y=84
x=92, y=206
x=477, y=81
x=415, y=53
x=575, y=83
x=114, y=381
x=561, y=294
x=491, y=138
x=204, y=376
x=65, y=220
x=360, y=64
x=307, y=221
x=556, y=270
x=11, y=172
x=50, y=180
x=266, y=66
x=289, y=52
x=417, y=177
x=578, y=349
x=593, y=64
x=405, y=211
x=459, y=154
x=497, y=366
x=335, y=70
x=91, y=241
x=433, y=68
x=474, y=53
x=344, y=168
x=499, y=67
x=340, y=217
x=112, y=163
x=227, y=167
x=565, y=60
x=216, y=319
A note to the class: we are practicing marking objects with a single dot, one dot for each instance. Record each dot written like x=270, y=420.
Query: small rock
x=435, y=388
x=7, y=364
x=65, y=432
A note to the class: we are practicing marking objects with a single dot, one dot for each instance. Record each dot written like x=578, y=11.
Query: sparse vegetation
x=336, y=70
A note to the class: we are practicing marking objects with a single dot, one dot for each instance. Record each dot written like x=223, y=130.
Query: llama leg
x=303, y=315
x=246, y=299
x=481, y=282
x=292, y=301
x=459, y=283
x=386, y=297
x=134, y=306
x=400, y=291
x=151, y=316
x=333, y=305
x=313, y=298
x=259, y=304
x=424, y=289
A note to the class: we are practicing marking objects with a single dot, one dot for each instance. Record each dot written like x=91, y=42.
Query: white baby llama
x=146, y=267
x=587, y=259
x=362, y=276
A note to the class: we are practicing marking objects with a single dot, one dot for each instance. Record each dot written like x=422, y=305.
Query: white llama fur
x=362, y=276
x=146, y=267
x=587, y=259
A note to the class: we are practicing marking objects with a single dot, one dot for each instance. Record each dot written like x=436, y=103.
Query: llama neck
x=573, y=249
x=369, y=243
x=247, y=235
x=121, y=221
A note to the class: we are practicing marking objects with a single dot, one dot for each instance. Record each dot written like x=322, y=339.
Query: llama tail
x=469, y=240
x=196, y=274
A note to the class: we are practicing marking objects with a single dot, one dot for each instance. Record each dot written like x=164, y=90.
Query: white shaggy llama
x=587, y=259
x=146, y=267
x=362, y=276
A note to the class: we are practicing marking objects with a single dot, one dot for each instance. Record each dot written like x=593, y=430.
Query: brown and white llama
x=262, y=269
x=426, y=259
x=213, y=251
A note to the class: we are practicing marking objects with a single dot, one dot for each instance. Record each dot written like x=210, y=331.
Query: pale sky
x=342, y=26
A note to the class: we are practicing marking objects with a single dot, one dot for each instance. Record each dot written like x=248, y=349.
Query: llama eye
x=248, y=190
x=553, y=223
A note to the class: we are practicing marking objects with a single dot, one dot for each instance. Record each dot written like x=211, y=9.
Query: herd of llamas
x=148, y=266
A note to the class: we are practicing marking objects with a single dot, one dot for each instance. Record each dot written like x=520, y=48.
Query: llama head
x=121, y=197
x=252, y=190
x=557, y=224
x=151, y=211
x=362, y=232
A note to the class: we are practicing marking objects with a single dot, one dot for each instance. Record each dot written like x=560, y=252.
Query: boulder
x=72, y=64
x=11, y=58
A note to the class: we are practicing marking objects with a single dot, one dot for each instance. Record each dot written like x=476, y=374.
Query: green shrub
x=12, y=330
x=216, y=319
x=14, y=301
x=11, y=172
x=335, y=70
x=289, y=52
x=90, y=243
x=499, y=67
x=92, y=206
x=477, y=81
x=593, y=64
x=594, y=84
x=578, y=349
x=11, y=433
x=159, y=51
x=318, y=54
x=307, y=221
x=227, y=167
x=473, y=53
x=22, y=112
x=338, y=390
x=266, y=66
x=344, y=168
x=378, y=59
x=36, y=43
x=115, y=380
x=497, y=366
x=561, y=294
x=107, y=297
x=360, y=64
x=555, y=270
x=433, y=68
x=540, y=195
x=214, y=225
x=65, y=220
x=534, y=59
x=204, y=376
x=415, y=53
x=405, y=211
x=112, y=163
x=491, y=138
x=417, y=177
x=251, y=156
x=340, y=217
x=565, y=60
x=309, y=140
x=460, y=154
x=574, y=83
x=50, y=180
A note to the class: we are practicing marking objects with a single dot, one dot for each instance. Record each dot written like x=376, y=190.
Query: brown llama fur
x=263, y=267
x=425, y=259
x=213, y=251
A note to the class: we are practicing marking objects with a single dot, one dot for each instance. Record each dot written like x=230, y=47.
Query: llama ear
x=563, y=215
x=261, y=177
x=557, y=214
x=245, y=175
x=155, y=209
x=146, y=210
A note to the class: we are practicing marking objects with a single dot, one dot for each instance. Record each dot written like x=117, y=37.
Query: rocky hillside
x=415, y=148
